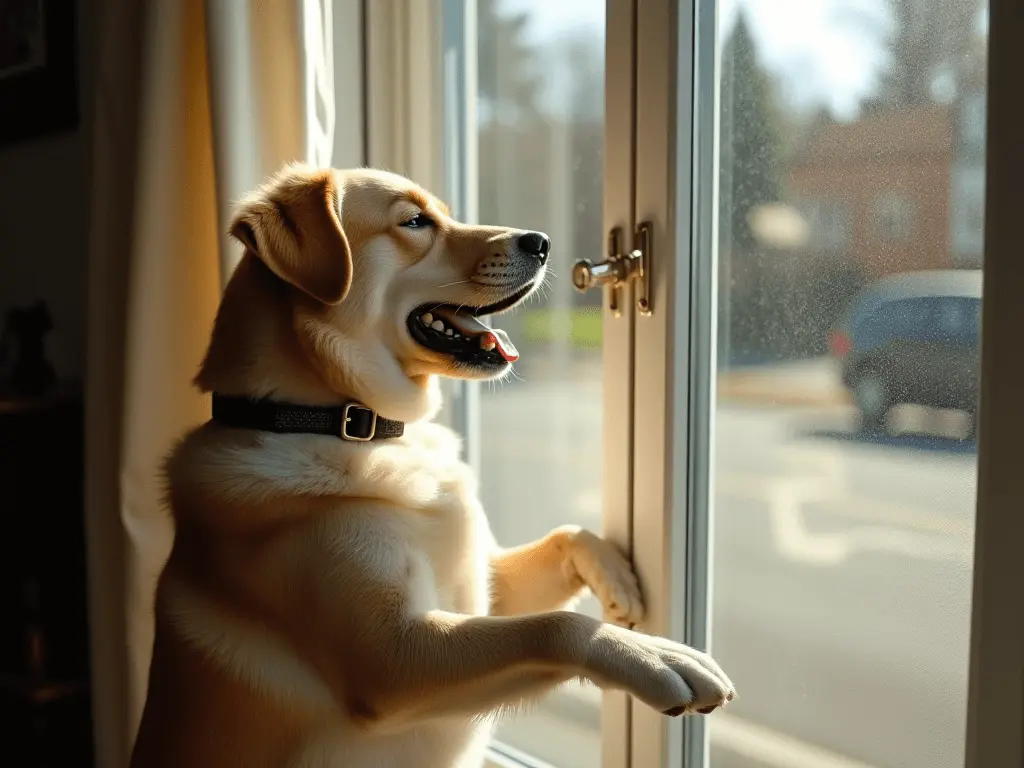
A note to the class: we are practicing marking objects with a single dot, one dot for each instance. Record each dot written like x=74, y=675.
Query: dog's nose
x=536, y=244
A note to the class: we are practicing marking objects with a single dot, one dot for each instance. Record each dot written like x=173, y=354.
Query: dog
x=334, y=596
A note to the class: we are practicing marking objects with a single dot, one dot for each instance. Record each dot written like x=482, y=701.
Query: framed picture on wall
x=38, y=68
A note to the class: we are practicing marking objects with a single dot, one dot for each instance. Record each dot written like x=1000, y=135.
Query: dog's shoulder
x=228, y=467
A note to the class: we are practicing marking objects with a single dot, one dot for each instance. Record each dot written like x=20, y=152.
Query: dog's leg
x=444, y=663
x=549, y=573
x=390, y=663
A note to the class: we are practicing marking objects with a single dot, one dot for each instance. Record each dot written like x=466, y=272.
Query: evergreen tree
x=749, y=148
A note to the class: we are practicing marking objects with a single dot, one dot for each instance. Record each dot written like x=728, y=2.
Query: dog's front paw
x=673, y=678
x=608, y=574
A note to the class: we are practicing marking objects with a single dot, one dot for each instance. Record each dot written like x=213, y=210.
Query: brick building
x=876, y=193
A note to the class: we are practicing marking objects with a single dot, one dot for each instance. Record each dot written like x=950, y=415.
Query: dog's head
x=360, y=284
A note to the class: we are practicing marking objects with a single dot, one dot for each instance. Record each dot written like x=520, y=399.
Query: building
x=877, y=193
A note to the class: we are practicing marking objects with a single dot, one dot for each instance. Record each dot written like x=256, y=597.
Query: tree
x=750, y=148
x=749, y=176
x=507, y=83
x=926, y=41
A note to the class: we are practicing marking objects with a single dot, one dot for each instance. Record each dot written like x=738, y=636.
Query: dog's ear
x=293, y=225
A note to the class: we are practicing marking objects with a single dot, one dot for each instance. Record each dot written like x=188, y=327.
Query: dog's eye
x=418, y=221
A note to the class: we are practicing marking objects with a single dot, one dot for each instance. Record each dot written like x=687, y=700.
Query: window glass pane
x=540, y=142
x=851, y=207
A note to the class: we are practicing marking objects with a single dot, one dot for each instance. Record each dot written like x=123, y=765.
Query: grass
x=582, y=324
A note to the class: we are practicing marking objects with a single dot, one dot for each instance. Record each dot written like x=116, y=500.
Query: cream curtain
x=195, y=103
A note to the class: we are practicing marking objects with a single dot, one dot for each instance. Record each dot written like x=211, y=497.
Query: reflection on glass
x=850, y=242
x=540, y=136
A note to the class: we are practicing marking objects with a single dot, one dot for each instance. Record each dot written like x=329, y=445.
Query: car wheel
x=871, y=394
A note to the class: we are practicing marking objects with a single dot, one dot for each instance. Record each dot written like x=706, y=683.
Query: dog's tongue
x=504, y=344
x=487, y=338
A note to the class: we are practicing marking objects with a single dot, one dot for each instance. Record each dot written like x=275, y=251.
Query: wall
x=44, y=213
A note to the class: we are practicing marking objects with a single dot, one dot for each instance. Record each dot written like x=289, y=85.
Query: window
x=967, y=217
x=894, y=217
x=696, y=418
x=538, y=148
x=842, y=561
x=905, y=319
x=972, y=123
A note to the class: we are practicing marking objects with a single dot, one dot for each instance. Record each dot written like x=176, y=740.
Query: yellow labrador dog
x=334, y=596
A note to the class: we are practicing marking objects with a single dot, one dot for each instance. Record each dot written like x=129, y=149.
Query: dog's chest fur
x=426, y=496
x=449, y=535
x=409, y=498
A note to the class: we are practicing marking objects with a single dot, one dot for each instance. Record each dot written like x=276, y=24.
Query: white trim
x=995, y=713
x=617, y=332
x=697, y=115
x=676, y=182
x=672, y=359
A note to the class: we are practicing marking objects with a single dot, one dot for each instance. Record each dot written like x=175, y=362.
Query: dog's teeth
x=449, y=332
x=437, y=325
x=487, y=343
x=427, y=319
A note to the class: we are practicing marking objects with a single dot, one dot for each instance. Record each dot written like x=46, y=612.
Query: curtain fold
x=195, y=103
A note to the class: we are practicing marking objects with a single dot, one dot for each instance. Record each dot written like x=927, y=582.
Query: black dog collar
x=353, y=422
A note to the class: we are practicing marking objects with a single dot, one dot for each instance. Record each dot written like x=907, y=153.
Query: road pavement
x=841, y=576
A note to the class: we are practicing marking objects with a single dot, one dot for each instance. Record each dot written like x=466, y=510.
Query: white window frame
x=677, y=192
x=660, y=507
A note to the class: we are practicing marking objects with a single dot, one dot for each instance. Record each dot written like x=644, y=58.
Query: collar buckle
x=347, y=421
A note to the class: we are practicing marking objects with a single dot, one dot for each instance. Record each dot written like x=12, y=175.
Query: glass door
x=539, y=135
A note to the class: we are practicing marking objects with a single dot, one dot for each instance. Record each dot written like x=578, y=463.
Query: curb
x=758, y=390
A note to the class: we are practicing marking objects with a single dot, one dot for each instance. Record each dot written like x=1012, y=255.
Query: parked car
x=912, y=338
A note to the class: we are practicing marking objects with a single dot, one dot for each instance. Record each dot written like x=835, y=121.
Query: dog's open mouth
x=457, y=331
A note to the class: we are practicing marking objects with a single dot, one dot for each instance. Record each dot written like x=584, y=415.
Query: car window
x=899, y=320
x=956, y=319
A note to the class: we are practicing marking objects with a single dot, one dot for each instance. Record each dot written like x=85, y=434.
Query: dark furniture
x=44, y=642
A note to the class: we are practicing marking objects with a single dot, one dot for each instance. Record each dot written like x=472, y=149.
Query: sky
x=816, y=56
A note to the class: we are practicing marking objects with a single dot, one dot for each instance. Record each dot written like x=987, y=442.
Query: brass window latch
x=618, y=269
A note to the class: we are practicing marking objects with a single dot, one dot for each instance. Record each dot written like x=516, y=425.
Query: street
x=842, y=569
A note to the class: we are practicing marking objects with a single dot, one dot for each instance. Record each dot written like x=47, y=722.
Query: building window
x=894, y=218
